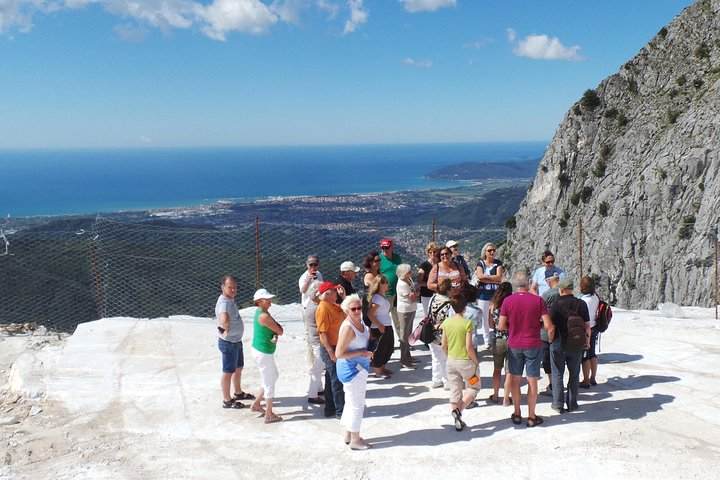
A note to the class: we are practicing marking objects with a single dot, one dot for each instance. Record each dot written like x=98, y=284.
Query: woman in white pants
x=439, y=311
x=353, y=366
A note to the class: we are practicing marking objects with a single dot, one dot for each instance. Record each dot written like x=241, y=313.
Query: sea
x=88, y=181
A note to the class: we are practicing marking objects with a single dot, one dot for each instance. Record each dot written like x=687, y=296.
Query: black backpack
x=575, y=338
x=604, y=316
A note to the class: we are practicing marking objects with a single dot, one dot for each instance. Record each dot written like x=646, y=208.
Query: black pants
x=385, y=346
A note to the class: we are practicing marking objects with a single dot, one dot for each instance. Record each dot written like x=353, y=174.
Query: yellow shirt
x=328, y=318
x=456, y=330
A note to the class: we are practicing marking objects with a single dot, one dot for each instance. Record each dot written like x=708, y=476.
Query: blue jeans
x=334, y=393
x=559, y=358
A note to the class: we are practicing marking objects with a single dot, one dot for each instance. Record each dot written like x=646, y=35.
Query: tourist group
x=529, y=323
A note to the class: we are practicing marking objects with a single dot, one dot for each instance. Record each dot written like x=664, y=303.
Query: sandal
x=516, y=419
x=387, y=371
x=493, y=401
x=244, y=396
x=459, y=424
x=257, y=409
x=273, y=419
x=534, y=422
x=232, y=404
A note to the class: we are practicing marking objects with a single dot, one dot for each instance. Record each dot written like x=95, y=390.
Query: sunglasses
x=385, y=248
x=491, y=250
x=355, y=309
x=549, y=262
x=444, y=254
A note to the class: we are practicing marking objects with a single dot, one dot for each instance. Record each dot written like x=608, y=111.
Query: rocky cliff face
x=636, y=160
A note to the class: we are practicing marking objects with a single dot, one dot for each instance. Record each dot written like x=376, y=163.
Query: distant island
x=471, y=171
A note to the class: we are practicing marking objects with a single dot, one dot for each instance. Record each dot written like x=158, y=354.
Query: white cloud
x=414, y=6
x=542, y=47
x=358, y=16
x=417, y=63
x=512, y=36
x=332, y=9
x=17, y=14
x=246, y=16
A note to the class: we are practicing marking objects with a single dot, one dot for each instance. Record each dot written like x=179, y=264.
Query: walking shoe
x=438, y=384
x=316, y=400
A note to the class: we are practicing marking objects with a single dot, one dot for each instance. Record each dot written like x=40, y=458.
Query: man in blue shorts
x=523, y=314
x=230, y=333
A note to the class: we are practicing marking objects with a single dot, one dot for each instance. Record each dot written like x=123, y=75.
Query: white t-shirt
x=404, y=303
x=382, y=312
x=305, y=298
x=593, y=302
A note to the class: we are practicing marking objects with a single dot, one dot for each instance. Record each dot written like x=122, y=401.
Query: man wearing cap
x=552, y=275
x=328, y=317
x=348, y=274
x=312, y=273
x=389, y=261
x=457, y=258
x=230, y=333
x=561, y=309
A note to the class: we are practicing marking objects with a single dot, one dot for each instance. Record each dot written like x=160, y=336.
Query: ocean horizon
x=82, y=182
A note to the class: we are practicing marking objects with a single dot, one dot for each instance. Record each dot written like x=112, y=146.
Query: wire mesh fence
x=111, y=269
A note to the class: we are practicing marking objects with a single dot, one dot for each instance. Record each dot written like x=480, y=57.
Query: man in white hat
x=348, y=274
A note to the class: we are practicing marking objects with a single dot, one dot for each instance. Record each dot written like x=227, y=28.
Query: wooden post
x=716, y=275
x=580, y=246
x=257, y=252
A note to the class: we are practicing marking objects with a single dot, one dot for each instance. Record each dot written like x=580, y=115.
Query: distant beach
x=73, y=182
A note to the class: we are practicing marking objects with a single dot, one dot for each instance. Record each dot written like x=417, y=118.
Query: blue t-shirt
x=236, y=330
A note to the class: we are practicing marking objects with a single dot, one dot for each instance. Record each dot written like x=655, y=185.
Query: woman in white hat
x=265, y=335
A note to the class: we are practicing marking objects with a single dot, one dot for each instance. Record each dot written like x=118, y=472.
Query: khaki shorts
x=459, y=372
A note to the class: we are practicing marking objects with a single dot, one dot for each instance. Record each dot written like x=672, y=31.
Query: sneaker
x=547, y=392
x=438, y=384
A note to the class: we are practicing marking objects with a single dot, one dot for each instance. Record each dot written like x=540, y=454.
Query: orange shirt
x=329, y=317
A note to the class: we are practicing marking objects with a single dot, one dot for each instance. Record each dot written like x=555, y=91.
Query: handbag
x=415, y=335
x=428, y=334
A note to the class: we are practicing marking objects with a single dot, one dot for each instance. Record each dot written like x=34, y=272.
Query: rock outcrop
x=636, y=162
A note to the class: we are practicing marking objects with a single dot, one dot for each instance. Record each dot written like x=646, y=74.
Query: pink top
x=524, y=311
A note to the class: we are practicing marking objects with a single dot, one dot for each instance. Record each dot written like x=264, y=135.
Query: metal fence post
x=257, y=252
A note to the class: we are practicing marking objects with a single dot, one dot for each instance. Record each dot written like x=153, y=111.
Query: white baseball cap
x=262, y=294
x=451, y=243
x=349, y=267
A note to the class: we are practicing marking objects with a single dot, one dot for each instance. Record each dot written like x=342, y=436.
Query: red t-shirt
x=524, y=311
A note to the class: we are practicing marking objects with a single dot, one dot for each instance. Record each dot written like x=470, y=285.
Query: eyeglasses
x=490, y=250
x=355, y=309
x=313, y=264
x=454, y=246
x=386, y=248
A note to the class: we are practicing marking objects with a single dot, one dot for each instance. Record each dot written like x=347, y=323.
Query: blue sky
x=114, y=73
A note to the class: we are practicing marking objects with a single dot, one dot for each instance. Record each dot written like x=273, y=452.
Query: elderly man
x=523, y=315
x=230, y=333
x=328, y=317
x=309, y=275
x=552, y=275
x=348, y=274
x=389, y=261
x=564, y=314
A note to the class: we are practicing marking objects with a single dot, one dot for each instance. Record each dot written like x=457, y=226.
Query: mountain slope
x=636, y=160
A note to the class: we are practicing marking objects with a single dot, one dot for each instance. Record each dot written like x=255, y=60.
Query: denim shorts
x=232, y=355
x=530, y=358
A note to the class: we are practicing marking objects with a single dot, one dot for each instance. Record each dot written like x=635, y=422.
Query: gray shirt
x=227, y=305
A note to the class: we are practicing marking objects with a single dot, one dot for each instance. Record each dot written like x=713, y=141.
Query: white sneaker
x=438, y=384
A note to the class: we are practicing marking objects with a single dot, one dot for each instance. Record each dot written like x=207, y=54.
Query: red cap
x=386, y=242
x=325, y=286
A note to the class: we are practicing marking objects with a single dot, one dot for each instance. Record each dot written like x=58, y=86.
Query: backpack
x=575, y=337
x=604, y=316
